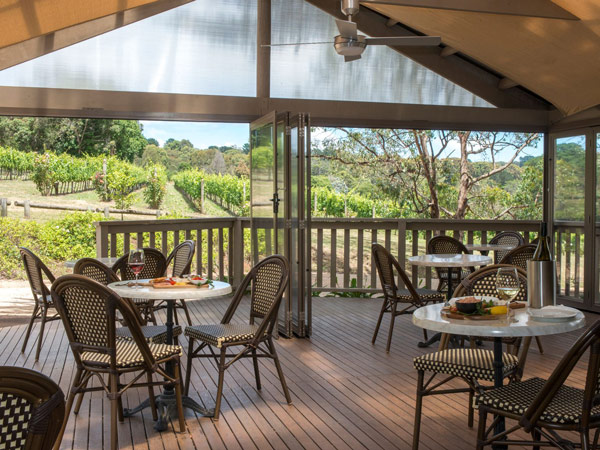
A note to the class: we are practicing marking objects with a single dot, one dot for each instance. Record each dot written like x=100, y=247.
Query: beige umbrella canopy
x=558, y=59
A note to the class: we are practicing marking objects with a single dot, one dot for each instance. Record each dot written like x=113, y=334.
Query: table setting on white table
x=170, y=290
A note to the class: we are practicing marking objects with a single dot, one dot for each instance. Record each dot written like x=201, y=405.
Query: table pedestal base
x=498, y=379
x=166, y=405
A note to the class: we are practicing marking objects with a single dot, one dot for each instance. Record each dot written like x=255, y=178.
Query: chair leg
x=383, y=308
x=80, y=399
x=392, y=321
x=539, y=344
x=114, y=411
x=41, y=335
x=470, y=416
x=68, y=406
x=418, y=408
x=286, y=392
x=178, y=398
x=585, y=439
x=535, y=436
x=481, y=429
x=188, y=369
x=120, y=402
x=187, y=312
x=256, y=371
x=29, y=327
x=220, y=385
x=151, y=397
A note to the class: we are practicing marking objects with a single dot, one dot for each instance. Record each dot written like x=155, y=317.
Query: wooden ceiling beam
x=44, y=102
x=455, y=68
x=529, y=8
x=506, y=83
x=448, y=51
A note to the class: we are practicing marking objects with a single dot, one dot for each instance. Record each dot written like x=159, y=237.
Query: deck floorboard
x=347, y=394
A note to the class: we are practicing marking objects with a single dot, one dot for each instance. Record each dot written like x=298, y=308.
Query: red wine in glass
x=136, y=262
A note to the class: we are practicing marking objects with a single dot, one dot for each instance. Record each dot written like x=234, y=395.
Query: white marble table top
x=109, y=261
x=450, y=260
x=489, y=247
x=520, y=324
x=217, y=289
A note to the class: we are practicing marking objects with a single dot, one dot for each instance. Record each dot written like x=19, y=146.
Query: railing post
x=237, y=244
x=101, y=240
x=27, y=209
x=3, y=207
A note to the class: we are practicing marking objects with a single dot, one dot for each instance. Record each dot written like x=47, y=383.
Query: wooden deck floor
x=346, y=393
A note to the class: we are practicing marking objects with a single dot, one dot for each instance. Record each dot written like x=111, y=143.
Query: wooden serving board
x=175, y=286
x=450, y=315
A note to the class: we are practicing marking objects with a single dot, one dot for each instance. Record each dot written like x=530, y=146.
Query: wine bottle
x=542, y=252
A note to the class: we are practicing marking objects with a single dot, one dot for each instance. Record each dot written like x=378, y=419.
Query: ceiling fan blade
x=347, y=28
x=351, y=58
x=296, y=43
x=405, y=41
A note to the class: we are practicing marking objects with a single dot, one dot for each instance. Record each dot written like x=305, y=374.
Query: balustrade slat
x=165, y=242
x=401, y=251
x=373, y=270
x=221, y=255
x=254, y=237
x=577, y=263
x=469, y=237
x=230, y=256
x=415, y=251
x=175, y=239
x=126, y=243
x=559, y=258
x=152, y=239
x=333, y=259
x=346, y=258
x=359, y=258
x=113, y=245
x=140, y=240
x=428, y=234
x=484, y=237
x=268, y=244
x=388, y=240
x=209, y=247
x=320, y=257
x=567, y=262
x=199, y=252
x=188, y=235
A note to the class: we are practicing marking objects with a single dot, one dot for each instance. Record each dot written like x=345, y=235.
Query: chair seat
x=219, y=334
x=129, y=355
x=565, y=407
x=465, y=362
x=427, y=295
x=157, y=334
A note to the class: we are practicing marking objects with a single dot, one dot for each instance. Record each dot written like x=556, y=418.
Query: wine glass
x=136, y=263
x=507, y=285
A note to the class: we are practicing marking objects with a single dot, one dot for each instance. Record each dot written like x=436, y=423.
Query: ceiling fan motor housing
x=350, y=7
x=349, y=47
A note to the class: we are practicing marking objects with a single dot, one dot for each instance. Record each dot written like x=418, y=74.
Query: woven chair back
x=506, y=238
x=32, y=409
x=96, y=270
x=445, y=244
x=483, y=282
x=181, y=257
x=155, y=265
x=589, y=340
x=88, y=311
x=519, y=256
x=386, y=266
x=36, y=270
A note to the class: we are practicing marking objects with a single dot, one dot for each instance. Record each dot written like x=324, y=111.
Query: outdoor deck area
x=346, y=393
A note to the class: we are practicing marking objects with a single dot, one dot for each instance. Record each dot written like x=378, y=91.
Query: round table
x=519, y=325
x=489, y=247
x=166, y=402
x=108, y=261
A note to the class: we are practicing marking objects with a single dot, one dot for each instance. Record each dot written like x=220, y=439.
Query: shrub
x=156, y=186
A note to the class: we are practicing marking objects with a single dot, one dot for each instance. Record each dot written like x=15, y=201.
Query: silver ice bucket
x=541, y=283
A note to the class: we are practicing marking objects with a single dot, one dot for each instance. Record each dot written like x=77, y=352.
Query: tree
x=432, y=169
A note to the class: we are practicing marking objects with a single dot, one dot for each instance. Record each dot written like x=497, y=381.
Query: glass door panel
x=569, y=206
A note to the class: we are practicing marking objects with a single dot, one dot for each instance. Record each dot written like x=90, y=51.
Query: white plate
x=553, y=314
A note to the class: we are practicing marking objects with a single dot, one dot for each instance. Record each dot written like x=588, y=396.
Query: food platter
x=179, y=283
x=487, y=312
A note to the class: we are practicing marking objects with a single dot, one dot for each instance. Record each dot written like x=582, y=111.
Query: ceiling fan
x=351, y=45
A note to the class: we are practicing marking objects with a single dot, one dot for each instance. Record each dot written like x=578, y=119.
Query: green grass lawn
x=174, y=202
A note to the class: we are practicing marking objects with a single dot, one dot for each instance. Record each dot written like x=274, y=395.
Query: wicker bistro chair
x=97, y=271
x=36, y=272
x=32, y=409
x=519, y=256
x=181, y=258
x=506, y=238
x=409, y=298
x=155, y=266
x=89, y=311
x=445, y=245
x=545, y=408
x=473, y=365
x=268, y=281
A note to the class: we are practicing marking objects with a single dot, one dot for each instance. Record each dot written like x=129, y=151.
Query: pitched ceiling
x=557, y=59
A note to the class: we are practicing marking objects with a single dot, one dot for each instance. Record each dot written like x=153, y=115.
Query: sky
x=201, y=134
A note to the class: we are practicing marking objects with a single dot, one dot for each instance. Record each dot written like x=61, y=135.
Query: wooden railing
x=569, y=245
x=340, y=248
